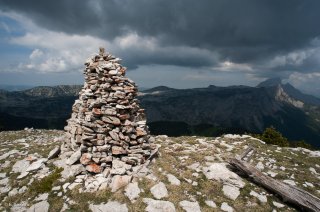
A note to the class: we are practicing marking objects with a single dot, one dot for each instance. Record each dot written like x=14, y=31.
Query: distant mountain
x=56, y=91
x=295, y=93
x=235, y=109
x=207, y=111
x=40, y=107
x=291, y=91
x=270, y=82
x=158, y=89
x=15, y=87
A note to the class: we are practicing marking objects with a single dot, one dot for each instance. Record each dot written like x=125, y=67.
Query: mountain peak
x=271, y=82
x=159, y=88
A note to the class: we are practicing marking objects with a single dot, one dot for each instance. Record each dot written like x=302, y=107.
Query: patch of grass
x=45, y=185
x=82, y=200
x=56, y=203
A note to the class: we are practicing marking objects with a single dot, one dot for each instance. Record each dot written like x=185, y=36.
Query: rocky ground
x=191, y=174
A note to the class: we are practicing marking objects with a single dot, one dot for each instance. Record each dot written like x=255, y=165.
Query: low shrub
x=272, y=136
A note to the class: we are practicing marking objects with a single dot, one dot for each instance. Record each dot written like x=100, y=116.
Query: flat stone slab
x=226, y=207
x=36, y=165
x=261, y=198
x=39, y=207
x=231, y=191
x=189, y=206
x=211, y=203
x=3, y=175
x=132, y=191
x=219, y=172
x=173, y=180
x=119, y=181
x=54, y=153
x=74, y=158
x=158, y=205
x=42, y=197
x=70, y=171
x=111, y=206
x=4, y=181
x=159, y=190
x=4, y=156
x=20, y=166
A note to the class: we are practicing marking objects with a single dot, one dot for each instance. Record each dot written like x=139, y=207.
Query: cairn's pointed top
x=101, y=51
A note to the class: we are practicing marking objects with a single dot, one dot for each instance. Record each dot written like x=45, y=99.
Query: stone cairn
x=107, y=131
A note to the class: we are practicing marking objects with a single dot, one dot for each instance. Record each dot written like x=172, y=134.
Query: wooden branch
x=290, y=194
x=245, y=153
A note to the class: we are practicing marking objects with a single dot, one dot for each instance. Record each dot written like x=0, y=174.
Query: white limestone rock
x=3, y=175
x=71, y=171
x=36, y=165
x=173, y=180
x=110, y=206
x=132, y=191
x=5, y=189
x=159, y=190
x=22, y=175
x=231, y=191
x=226, y=207
x=261, y=198
x=194, y=166
x=20, y=166
x=260, y=166
x=74, y=158
x=190, y=206
x=119, y=167
x=290, y=182
x=211, y=203
x=119, y=181
x=219, y=172
x=6, y=155
x=54, y=153
x=13, y=192
x=158, y=205
x=313, y=170
x=278, y=204
x=4, y=181
x=42, y=197
x=22, y=189
x=272, y=174
x=152, y=177
x=39, y=207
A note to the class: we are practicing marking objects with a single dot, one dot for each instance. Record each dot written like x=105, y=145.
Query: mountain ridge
x=209, y=111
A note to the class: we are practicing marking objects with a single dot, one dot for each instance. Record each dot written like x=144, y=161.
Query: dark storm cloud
x=246, y=31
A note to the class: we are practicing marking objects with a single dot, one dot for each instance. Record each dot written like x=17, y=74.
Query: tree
x=272, y=136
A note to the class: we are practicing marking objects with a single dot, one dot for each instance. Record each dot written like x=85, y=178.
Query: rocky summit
x=107, y=132
x=192, y=174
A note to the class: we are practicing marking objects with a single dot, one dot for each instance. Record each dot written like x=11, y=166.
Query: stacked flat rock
x=107, y=129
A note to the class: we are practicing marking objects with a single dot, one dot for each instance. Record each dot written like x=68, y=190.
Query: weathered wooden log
x=291, y=194
x=244, y=156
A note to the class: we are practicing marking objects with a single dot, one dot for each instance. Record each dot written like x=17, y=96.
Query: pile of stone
x=107, y=131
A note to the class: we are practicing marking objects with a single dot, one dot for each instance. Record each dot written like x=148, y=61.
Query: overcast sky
x=178, y=43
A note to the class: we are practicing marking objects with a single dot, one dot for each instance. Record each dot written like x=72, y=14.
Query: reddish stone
x=31, y=158
x=96, y=111
x=94, y=168
x=117, y=150
x=140, y=132
x=86, y=158
x=124, y=116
